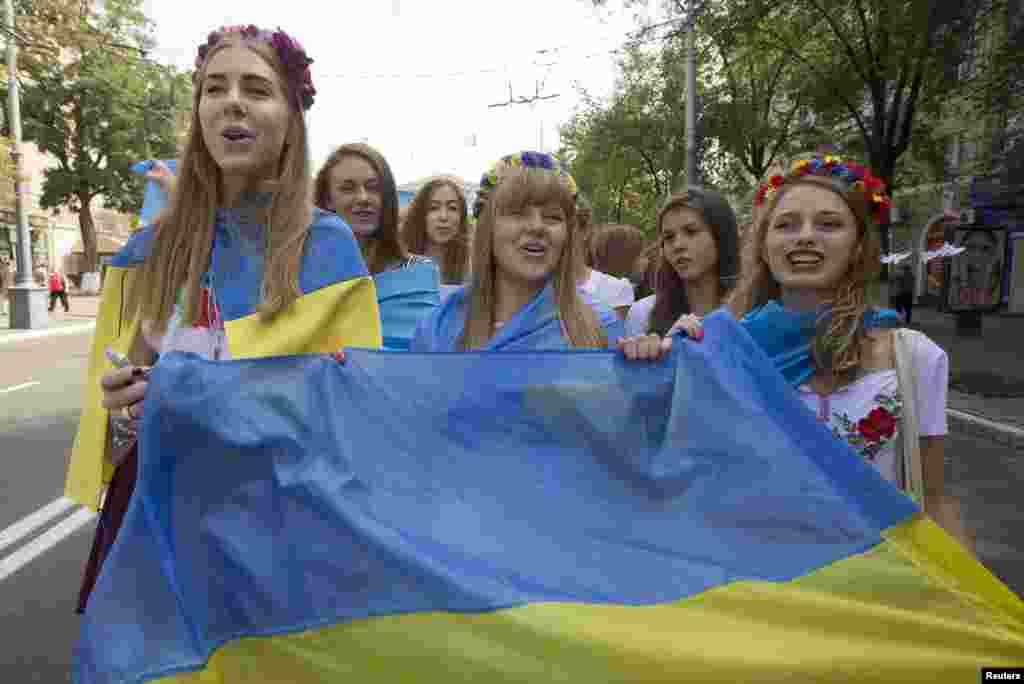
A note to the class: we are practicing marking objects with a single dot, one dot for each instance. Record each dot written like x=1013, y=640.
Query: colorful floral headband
x=291, y=53
x=856, y=177
x=529, y=160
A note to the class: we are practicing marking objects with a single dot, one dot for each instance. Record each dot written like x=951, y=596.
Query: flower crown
x=531, y=160
x=291, y=53
x=856, y=177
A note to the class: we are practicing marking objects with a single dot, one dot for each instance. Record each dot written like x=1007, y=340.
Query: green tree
x=629, y=152
x=100, y=111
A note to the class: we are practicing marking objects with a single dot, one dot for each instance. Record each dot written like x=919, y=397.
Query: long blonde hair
x=519, y=187
x=455, y=258
x=183, y=234
x=836, y=345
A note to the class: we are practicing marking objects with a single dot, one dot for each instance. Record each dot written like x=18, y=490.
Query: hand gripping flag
x=524, y=517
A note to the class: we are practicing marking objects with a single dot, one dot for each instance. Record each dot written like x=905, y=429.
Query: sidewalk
x=986, y=374
x=81, y=318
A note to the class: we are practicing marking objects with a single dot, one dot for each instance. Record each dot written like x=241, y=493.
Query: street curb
x=77, y=329
x=1001, y=433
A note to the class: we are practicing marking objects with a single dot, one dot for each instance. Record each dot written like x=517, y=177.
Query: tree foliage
x=100, y=110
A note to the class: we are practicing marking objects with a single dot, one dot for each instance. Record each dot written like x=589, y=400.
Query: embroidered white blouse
x=866, y=412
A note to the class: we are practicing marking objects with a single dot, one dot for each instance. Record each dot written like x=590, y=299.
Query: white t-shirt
x=611, y=291
x=866, y=412
x=639, y=317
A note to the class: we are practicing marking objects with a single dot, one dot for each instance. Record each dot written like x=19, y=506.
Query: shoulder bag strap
x=909, y=446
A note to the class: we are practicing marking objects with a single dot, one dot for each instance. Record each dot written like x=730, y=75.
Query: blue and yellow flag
x=338, y=308
x=560, y=516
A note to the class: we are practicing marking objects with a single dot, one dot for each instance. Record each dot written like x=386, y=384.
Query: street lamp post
x=28, y=302
x=692, y=172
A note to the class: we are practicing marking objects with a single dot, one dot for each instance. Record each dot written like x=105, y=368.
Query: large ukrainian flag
x=524, y=517
x=338, y=309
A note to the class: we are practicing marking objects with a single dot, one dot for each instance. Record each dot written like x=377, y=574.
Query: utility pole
x=28, y=302
x=692, y=172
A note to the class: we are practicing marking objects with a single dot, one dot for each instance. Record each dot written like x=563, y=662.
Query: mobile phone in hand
x=121, y=361
x=118, y=359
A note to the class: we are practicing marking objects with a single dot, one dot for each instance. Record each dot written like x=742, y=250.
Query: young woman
x=803, y=295
x=698, y=261
x=437, y=225
x=523, y=292
x=225, y=271
x=357, y=184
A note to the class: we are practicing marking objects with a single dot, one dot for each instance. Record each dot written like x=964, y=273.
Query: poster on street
x=974, y=277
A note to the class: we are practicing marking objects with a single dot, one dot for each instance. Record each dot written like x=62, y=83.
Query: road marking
x=15, y=388
x=33, y=521
x=44, y=542
x=59, y=331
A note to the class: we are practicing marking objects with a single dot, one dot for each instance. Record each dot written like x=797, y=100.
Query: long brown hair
x=183, y=233
x=836, y=345
x=614, y=248
x=414, y=231
x=671, y=300
x=519, y=187
x=383, y=249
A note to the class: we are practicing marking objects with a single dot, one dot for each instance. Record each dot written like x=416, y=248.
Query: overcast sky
x=415, y=78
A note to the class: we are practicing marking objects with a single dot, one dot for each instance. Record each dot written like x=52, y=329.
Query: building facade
x=56, y=236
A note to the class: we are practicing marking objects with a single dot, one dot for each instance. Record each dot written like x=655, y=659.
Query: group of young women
x=240, y=206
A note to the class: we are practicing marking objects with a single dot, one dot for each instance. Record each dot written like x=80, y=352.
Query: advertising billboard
x=974, y=278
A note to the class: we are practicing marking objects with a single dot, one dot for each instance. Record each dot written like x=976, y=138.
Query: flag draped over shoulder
x=560, y=516
x=338, y=308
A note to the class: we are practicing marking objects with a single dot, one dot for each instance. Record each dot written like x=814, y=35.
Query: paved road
x=37, y=622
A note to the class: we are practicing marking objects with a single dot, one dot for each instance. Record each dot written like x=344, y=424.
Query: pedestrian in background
x=58, y=291
x=901, y=291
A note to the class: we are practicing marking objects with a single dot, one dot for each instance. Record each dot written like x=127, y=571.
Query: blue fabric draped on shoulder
x=536, y=326
x=785, y=336
x=331, y=256
x=406, y=296
x=135, y=250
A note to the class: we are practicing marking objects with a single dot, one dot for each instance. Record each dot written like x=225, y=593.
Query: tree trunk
x=88, y=228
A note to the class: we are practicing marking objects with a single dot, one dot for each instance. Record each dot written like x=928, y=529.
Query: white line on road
x=76, y=329
x=15, y=388
x=33, y=521
x=44, y=542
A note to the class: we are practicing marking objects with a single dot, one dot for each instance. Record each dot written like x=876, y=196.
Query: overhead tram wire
x=636, y=38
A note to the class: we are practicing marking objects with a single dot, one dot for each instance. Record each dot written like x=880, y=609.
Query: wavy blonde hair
x=455, y=257
x=836, y=344
x=519, y=187
x=183, y=233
